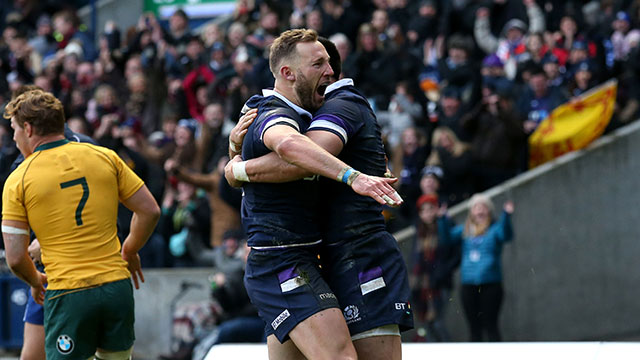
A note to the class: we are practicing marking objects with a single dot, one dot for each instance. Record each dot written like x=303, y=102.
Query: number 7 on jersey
x=85, y=195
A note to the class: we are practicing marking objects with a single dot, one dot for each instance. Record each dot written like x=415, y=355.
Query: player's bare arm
x=146, y=213
x=297, y=161
x=16, y=243
x=301, y=151
x=271, y=168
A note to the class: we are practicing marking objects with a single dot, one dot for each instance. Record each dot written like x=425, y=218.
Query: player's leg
x=371, y=281
x=33, y=338
x=33, y=342
x=292, y=299
x=324, y=335
x=383, y=344
x=116, y=321
x=283, y=351
x=70, y=324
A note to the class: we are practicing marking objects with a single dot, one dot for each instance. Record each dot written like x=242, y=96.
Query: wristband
x=234, y=147
x=352, y=177
x=346, y=175
x=341, y=174
x=240, y=171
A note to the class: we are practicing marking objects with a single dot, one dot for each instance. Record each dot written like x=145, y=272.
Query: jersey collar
x=298, y=109
x=51, y=145
x=338, y=84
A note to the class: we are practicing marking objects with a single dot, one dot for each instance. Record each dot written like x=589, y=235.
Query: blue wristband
x=345, y=176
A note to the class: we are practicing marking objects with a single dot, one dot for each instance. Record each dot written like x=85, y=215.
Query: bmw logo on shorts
x=64, y=344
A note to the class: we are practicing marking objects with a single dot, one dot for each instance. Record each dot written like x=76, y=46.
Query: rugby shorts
x=370, y=279
x=287, y=287
x=79, y=321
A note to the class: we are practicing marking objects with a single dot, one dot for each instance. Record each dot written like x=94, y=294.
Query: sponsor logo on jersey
x=64, y=344
x=326, y=296
x=351, y=314
x=280, y=319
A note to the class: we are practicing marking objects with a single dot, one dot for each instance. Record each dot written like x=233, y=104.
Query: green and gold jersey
x=68, y=193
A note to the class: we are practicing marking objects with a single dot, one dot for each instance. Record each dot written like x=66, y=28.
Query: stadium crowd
x=458, y=86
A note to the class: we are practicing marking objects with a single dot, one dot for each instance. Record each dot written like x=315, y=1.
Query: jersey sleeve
x=337, y=117
x=277, y=117
x=128, y=181
x=13, y=207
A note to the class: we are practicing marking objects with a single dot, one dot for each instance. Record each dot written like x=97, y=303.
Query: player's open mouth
x=322, y=88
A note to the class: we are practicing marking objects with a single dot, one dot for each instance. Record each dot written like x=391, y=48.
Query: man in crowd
x=360, y=259
x=283, y=274
x=68, y=194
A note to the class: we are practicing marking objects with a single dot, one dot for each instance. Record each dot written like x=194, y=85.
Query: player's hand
x=240, y=130
x=37, y=292
x=228, y=172
x=378, y=188
x=34, y=251
x=135, y=268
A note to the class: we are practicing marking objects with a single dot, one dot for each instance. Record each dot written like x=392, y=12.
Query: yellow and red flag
x=573, y=125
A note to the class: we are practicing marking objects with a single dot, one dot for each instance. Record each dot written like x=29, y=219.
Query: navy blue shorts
x=33, y=313
x=287, y=287
x=370, y=279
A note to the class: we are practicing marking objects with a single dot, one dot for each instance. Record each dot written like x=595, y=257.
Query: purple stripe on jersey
x=288, y=274
x=269, y=118
x=336, y=120
x=369, y=275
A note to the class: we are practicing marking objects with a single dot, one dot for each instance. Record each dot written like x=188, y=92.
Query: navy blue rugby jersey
x=277, y=215
x=346, y=215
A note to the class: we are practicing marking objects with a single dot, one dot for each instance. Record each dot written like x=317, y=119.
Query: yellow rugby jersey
x=68, y=192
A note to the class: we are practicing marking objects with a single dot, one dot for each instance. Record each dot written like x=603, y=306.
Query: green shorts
x=77, y=322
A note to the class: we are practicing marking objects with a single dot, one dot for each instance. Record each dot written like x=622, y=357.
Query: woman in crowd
x=482, y=239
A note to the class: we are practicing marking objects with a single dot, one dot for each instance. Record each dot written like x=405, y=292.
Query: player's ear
x=28, y=129
x=287, y=73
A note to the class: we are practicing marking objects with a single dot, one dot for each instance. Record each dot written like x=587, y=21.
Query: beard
x=304, y=91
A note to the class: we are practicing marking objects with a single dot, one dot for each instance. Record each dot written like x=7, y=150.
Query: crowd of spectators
x=455, y=84
x=458, y=86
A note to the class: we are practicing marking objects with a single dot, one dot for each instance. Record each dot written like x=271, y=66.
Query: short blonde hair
x=284, y=46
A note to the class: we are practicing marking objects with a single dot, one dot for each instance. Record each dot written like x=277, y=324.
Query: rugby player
x=283, y=276
x=33, y=335
x=68, y=194
x=361, y=260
